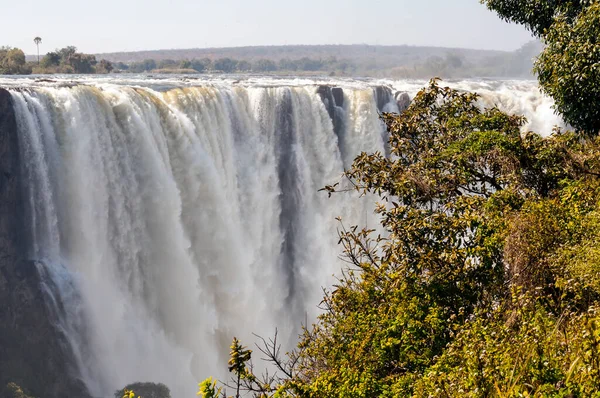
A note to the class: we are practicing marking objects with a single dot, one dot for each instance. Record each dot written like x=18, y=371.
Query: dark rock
x=333, y=99
x=403, y=100
x=338, y=96
x=327, y=98
x=384, y=96
x=34, y=354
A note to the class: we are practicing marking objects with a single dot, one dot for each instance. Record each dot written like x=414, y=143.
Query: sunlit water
x=171, y=213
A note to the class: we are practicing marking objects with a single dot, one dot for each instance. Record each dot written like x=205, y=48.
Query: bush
x=146, y=390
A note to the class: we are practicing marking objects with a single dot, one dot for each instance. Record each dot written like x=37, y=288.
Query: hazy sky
x=127, y=25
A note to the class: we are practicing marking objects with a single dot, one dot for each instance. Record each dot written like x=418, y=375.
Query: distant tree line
x=229, y=65
x=64, y=60
x=453, y=63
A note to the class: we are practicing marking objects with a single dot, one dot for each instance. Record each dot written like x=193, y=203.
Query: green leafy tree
x=144, y=390
x=81, y=63
x=537, y=15
x=51, y=59
x=13, y=62
x=569, y=69
x=104, y=66
x=66, y=52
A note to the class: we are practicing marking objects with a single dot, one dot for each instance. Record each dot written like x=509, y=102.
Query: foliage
x=104, y=66
x=536, y=15
x=68, y=60
x=226, y=65
x=145, y=390
x=264, y=65
x=484, y=282
x=455, y=173
x=12, y=62
x=208, y=389
x=569, y=69
x=12, y=390
x=146, y=65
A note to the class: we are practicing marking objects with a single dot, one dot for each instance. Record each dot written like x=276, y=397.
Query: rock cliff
x=33, y=353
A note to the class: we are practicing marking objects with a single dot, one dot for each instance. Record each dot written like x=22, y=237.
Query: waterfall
x=171, y=217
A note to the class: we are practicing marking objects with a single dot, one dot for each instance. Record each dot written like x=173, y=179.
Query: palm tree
x=37, y=42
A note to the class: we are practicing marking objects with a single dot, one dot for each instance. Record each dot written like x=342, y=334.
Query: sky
x=130, y=25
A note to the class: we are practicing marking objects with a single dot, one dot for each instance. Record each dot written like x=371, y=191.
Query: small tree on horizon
x=37, y=40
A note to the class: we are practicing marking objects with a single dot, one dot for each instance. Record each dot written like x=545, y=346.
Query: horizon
x=298, y=45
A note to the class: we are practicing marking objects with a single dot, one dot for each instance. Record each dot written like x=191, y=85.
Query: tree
x=13, y=62
x=264, y=65
x=121, y=66
x=167, y=64
x=226, y=65
x=308, y=64
x=201, y=65
x=104, y=66
x=147, y=65
x=537, y=15
x=185, y=64
x=569, y=69
x=239, y=356
x=81, y=63
x=145, y=390
x=51, y=59
x=66, y=52
x=288, y=64
x=244, y=66
x=37, y=42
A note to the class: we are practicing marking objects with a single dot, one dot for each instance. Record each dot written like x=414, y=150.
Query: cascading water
x=170, y=217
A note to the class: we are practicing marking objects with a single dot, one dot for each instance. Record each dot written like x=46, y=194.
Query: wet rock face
x=333, y=99
x=403, y=100
x=384, y=96
x=33, y=353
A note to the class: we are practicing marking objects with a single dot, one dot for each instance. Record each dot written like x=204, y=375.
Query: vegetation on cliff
x=64, y=60
x=12, y=62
